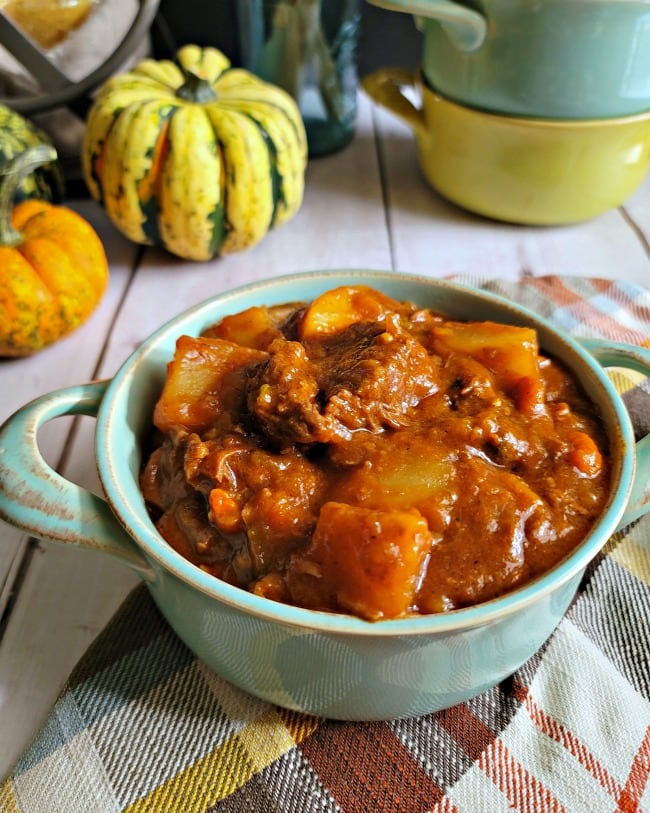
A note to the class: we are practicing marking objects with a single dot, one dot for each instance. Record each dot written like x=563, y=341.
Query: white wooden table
x=365, y=207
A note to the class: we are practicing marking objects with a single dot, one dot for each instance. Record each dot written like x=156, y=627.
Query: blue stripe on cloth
x=605, y=304
x=619, y=312
x=62, y=724
x=566, y=320
x=130, y=677
x=165, y=732
x=635, y=292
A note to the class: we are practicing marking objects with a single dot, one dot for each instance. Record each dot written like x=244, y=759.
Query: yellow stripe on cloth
x=625, y=380
x=266, y=740
x=8, y=800
x=633, y=556
x=222, y=772
x=300, y=725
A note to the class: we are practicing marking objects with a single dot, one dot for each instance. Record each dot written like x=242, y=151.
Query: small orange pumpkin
x=53, y=268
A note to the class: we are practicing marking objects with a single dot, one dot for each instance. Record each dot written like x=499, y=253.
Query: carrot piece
x=584, y=455
x=225, y=511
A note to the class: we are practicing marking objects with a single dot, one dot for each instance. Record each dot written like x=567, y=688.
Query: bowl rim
x=113, y=470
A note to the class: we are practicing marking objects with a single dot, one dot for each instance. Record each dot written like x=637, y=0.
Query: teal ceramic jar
x=567, y=59
x=321, y=663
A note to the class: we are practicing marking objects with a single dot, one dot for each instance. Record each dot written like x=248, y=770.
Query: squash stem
x=13, y=175
x=196, y=89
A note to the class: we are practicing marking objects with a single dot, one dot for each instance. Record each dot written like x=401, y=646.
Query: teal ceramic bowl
x=558, y=59
x=324, y=664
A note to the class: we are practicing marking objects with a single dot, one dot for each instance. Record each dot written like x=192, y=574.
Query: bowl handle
x=38, y=500
x=465, y=27
x=388, y=86
x=631, y=357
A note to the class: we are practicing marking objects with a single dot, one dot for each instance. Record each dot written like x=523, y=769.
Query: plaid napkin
x=142, y=725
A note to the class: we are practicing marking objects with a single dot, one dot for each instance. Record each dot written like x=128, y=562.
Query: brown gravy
x=363, y=455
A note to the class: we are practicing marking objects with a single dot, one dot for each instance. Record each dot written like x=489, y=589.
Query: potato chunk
x=254, y=327
x=370, y=561
x=203, y=384
x=406, y=469
x=341, y=307
x=509, y=352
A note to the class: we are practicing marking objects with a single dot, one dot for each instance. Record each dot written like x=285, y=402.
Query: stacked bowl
x=530, y=111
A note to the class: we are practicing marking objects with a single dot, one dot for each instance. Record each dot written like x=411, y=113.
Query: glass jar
x=309, y=48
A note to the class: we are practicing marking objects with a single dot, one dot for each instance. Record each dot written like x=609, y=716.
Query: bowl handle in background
x=387, y=87
x=466, y=27
x=631, y=357
x=38, y=500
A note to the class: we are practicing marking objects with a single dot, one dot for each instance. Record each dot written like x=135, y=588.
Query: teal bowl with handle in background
x=558, y=59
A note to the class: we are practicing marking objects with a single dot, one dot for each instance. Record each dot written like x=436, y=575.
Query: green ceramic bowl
x=519, y=170
x=326, y=664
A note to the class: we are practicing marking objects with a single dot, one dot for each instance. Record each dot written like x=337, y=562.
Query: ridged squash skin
x=16, y=135
x=194, y=156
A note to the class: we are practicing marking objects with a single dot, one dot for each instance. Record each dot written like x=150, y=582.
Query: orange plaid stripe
x=567, y=739
x=629, y=798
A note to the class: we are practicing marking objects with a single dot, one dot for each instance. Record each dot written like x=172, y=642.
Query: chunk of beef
x=284, y=398
x=372, y=378
x=364, y=377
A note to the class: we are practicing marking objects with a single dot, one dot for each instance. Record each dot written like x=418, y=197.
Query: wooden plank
x=68, y=362
x=637, y=210
x=50, y=621
x=13, y=549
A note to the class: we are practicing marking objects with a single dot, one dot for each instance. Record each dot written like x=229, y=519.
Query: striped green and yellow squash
x=17, y=134
x=194, y=156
